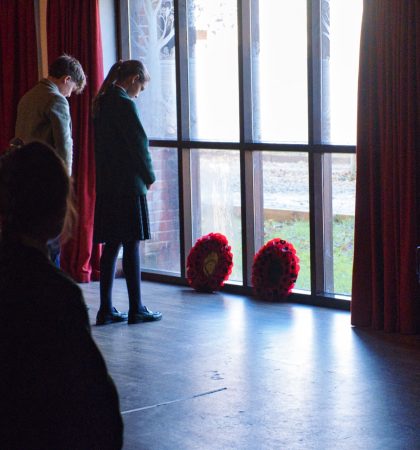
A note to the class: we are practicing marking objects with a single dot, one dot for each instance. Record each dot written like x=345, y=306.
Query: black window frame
x=319, y=154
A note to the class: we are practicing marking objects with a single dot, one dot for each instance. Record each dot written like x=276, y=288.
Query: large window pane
x=162, y=252
x=341, y=22
x=152, y=40
x=217, y=200
x=279, y=59
x=282, y=188
x=278, y=86
x=213, y=70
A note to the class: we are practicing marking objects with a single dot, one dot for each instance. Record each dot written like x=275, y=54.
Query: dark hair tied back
x=120, y=71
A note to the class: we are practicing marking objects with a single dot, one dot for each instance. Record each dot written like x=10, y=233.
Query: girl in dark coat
x=124, y=173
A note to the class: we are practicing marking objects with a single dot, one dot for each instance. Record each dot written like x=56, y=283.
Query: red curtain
x=386, y=295
x=74, y=28
x=18, y=60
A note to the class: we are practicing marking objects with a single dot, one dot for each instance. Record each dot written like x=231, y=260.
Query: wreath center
x=210, y=263
x=275, y=271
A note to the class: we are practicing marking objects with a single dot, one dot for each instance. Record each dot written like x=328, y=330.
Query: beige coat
x=44, y=115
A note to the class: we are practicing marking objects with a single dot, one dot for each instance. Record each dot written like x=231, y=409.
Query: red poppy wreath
x=275, y=270
x=209, y=263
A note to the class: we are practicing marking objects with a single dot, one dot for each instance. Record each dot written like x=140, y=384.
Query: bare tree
x=152, y=32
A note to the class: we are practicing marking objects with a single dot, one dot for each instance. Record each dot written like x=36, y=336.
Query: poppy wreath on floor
x=275, y=270
x=209, y=263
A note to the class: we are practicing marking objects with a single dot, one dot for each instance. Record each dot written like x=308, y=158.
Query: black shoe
x=110, y=317
x=144, y=316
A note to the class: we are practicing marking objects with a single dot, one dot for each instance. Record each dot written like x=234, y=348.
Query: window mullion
x=182, y=80
x=246, y=156
x=123, y=27
x=183, y=127
x=322, y=277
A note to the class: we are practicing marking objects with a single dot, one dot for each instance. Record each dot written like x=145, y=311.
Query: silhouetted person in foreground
x=55, y=391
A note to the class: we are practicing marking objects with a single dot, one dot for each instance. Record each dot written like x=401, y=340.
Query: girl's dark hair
x=120, y=71
x=35, y=192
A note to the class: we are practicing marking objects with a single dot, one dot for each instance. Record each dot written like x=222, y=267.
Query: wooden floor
x=222, y=371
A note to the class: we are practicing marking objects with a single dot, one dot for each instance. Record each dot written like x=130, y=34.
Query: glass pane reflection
x=343, y=202
x=285, y=199
x=213, y=70
x=152, y=40
x=216, y=199
x=279, y=58
x=341, y=22
x=162, y=252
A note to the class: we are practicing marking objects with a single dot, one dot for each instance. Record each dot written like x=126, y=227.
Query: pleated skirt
x=119, y=219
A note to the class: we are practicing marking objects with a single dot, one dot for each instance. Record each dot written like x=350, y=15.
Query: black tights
x=131, y=268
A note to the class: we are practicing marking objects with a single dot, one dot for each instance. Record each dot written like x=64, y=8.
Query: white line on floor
x=173, y=401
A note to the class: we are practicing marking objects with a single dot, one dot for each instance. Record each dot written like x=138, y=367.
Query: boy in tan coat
x=44, y=115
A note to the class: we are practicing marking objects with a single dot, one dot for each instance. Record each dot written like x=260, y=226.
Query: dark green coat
x=123, y=162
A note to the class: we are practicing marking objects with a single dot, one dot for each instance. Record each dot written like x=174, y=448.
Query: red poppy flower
x=275, y=270
x=209, y=263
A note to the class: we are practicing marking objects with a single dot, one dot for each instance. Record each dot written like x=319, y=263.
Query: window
x=343, y=181
x=217, y=199
x=162, y=251
x=340, y=21
x=285, y=194
x=279, y=69
x=213, y=70
x=251, y=112
x=152, y=39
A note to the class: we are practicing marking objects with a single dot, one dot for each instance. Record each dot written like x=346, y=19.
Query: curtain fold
x=18, y=61
x=386, y=295
x=74, y=28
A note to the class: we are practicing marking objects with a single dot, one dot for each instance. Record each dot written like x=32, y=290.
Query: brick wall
x=162, y=251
